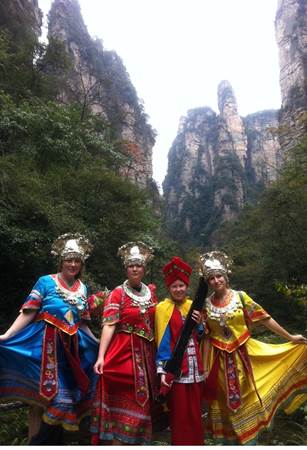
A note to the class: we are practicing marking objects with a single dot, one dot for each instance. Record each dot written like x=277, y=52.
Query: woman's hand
x=163, y=381
x=98, y=366
x=298, y=339
x=105, y=339
x=196, y=316
x=3, y=337
x=272, y=325
x=206, y=374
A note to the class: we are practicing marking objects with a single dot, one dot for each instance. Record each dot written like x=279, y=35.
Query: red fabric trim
x=35, y=304
x=140, y=376
x=74, y=287
x=17, y=393
x=48, y=386
x=58, y=413
x=264, y=423
x=232, y=383
x=258, y=315
x=248, y=367
x=252, y=433
x=58, y=323
x=234, y=345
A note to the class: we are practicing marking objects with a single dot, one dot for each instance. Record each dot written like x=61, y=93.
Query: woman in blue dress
x=48, y=353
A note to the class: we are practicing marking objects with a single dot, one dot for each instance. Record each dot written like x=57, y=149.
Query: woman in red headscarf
x=184, y=397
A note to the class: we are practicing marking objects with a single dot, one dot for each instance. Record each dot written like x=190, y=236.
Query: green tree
x=58, y=174
x=269, y=242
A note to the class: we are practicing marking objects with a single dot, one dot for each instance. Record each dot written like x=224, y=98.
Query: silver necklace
x=222, y=313
x=77, y=298
x=141, y=299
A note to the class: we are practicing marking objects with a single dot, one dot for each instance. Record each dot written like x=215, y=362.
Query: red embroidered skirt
x=123, y=398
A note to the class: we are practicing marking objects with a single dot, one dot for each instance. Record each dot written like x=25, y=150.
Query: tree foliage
x=58, y=173
x=269, y=241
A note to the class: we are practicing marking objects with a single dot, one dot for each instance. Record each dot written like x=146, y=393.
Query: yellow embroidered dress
x=248, y=379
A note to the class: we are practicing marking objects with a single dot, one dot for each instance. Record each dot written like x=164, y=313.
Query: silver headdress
x=215, y=262
x=135, y=253
x=72, y=245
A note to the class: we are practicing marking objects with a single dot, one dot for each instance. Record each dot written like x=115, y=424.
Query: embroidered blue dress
x=50, y=362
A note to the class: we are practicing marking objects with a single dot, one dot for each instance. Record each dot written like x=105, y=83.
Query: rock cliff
x=100, y=82
x=217, y=163
x=291, y=36
x=16, y=13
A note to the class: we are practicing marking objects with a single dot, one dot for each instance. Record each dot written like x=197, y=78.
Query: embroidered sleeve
x=111, y=310
x=34, y=299
x=254, y=311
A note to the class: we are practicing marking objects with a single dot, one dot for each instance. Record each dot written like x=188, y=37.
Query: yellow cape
x=164, y=311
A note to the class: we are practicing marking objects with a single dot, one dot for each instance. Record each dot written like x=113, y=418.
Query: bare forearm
x=272, y=325
x=105, y=339
x=21, y=322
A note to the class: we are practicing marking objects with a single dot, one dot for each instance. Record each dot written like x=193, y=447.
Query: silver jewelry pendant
x=226, y=332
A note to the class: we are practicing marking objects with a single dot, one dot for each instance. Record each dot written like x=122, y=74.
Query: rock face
x=100, y=82
x=216, y=164
x=291, y=36
x=23, y=12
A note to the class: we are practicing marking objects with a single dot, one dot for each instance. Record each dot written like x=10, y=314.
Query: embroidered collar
x=141, y=299
x=222, y=313
x=74, y=296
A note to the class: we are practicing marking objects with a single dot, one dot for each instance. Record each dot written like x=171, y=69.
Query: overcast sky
x=177, y=52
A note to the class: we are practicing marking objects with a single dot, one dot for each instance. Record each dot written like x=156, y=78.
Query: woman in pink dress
x=126, y=365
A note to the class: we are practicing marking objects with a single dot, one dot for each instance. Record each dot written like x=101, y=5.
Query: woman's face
x=178, y=291
x=71, y=267
x=217, y=282
x=135, y=274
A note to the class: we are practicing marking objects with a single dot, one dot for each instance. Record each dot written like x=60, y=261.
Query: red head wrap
x=176, y=269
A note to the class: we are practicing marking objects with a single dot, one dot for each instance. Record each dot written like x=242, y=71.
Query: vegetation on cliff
x=269, y=245
x=59, y=172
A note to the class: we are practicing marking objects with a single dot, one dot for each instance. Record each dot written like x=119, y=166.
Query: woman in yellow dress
x=247, y=380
